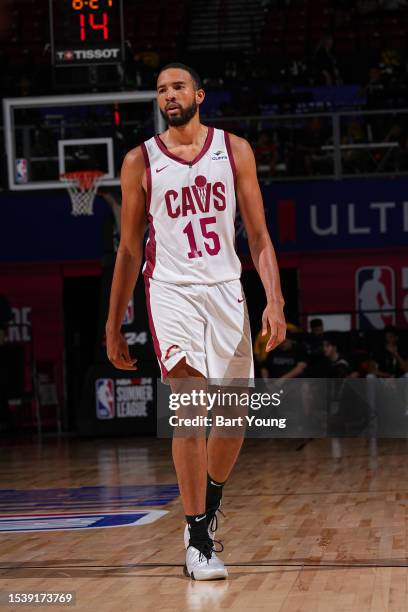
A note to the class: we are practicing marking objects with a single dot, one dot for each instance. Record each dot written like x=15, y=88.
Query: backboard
x=47, y=136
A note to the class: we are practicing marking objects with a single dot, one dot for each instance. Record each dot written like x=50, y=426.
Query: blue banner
x=301, y=216
x=336, y=215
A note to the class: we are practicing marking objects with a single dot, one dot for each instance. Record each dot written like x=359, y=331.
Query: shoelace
x=213, y=523
x=207, y=548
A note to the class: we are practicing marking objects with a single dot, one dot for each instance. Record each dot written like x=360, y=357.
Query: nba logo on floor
x=105, y=398
x=129, y=314
x=375, y=297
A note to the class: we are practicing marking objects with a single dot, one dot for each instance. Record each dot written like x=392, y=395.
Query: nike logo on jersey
x=200, y=519
x=241, y=300
x=160, y=169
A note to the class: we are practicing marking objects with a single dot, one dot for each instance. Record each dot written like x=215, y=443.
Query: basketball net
x=82, y=186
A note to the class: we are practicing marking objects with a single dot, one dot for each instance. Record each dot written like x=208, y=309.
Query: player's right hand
x=117, y=350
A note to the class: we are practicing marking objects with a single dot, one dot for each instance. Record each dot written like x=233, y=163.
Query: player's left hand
x=274, y=318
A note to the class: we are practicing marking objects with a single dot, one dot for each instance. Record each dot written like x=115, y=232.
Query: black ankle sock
x=214, y=494
x=198, y=527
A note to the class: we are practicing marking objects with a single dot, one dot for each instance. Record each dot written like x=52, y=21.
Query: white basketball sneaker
x=202, y=563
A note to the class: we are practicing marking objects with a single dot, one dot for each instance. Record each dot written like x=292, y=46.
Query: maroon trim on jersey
x=152, y=328
x=148, y=177
x=230, y=155
x=197, y=158
x=150, y=250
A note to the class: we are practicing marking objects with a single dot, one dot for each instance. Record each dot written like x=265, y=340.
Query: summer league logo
x=218, y=155
x=123, y=397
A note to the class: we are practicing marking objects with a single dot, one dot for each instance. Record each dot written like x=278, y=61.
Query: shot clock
x=86, y=32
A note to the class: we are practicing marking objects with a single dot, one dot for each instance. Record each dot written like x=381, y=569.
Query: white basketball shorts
x=206, y=324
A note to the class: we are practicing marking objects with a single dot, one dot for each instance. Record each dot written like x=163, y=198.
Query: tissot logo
x=71, y=55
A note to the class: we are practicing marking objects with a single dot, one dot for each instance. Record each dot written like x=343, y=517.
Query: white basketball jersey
x=191, y=210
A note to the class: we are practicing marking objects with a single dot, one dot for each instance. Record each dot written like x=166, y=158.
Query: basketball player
x=184, y=181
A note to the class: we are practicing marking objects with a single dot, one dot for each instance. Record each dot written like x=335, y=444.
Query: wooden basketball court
x=303, y=531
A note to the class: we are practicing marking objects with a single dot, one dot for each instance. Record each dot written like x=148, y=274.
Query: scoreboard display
x=86, y=32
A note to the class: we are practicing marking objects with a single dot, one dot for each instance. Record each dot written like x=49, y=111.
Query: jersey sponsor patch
x=219, y=155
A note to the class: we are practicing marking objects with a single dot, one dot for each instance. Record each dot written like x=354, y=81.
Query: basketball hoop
x=82, y=186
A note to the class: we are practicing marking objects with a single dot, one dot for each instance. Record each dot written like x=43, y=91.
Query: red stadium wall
x=35, y=294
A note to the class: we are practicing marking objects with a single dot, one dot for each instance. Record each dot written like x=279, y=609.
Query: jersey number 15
x=212, y=247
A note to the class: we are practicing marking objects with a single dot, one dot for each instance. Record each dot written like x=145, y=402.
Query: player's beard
x=186, y=114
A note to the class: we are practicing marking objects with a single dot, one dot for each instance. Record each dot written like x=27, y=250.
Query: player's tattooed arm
x=263, y=254
x=129, y=256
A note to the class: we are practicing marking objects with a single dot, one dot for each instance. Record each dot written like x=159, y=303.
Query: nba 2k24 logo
x=105, y=398
x=375, y=297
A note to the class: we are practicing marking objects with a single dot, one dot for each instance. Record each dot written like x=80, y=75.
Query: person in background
x=325, y=63
x=336, y=365
x=317, y=328
x=391, y=361
x=314, y=348
x=288, y=360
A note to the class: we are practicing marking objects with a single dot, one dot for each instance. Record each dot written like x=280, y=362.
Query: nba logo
x=375, y=297
x=129, y=314
x=105, y=398
x=21, y=171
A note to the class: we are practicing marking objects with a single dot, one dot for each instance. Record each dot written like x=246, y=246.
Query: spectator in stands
x=325, y=63
x=391, y=360
x=288, y=360
x=316, y=361
x=317, y=328
x=336, y=365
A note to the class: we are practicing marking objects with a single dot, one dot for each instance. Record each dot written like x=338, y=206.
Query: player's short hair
x=193, y=73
